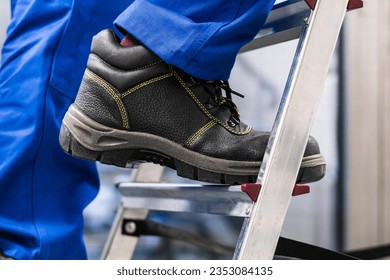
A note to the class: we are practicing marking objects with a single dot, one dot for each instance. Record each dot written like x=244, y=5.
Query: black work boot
x=133, y=107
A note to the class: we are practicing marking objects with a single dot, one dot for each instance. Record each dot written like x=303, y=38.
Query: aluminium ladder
x=317, y=24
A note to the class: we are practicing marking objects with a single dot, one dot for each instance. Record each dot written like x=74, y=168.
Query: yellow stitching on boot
x=113, y=93
x=143, y=84
x=199, y=133
x=189, y=91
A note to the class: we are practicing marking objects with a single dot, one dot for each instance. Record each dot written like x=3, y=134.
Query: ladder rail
x=289, y=135
x=119, y=246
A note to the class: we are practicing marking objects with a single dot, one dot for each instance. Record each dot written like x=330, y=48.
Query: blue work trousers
x=43, y=191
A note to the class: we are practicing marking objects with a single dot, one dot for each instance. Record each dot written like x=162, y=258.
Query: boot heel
x=114, y=157
x=72, y=147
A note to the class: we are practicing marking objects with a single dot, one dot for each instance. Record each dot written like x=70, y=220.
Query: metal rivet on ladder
x=130, y=227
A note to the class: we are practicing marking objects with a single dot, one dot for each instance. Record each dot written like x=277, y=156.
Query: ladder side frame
x=119, y=246
x=289, y=135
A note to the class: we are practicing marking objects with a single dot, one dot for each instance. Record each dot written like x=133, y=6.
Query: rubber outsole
x=84, y=138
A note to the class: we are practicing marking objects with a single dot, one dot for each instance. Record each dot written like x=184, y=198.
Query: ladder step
x=207, y=199
x=235, y=201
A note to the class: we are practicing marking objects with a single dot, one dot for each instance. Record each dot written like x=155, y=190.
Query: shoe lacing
x=216, y=88
x=226, y=100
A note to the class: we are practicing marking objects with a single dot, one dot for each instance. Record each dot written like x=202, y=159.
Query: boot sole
x=82, y=137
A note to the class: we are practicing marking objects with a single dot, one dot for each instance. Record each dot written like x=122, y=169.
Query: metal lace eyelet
x=231, y=123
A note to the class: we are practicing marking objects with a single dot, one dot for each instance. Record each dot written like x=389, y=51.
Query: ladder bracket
x=353, y=4
x=253, y=190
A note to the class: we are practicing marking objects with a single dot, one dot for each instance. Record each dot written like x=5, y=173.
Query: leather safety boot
x=132, y=107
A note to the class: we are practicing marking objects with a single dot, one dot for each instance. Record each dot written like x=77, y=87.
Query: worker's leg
x=200, y=37
x=43, y=191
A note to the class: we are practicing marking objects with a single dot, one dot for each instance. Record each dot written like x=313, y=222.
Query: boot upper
x=131, y=88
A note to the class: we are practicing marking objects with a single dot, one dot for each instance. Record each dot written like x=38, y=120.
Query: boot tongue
x=202, y=92
x=199, y=87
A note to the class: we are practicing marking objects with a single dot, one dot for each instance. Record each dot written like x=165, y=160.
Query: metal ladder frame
x=317, y=24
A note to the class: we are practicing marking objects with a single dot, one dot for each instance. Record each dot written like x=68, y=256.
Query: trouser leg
x=200, y=37
x=43, y=191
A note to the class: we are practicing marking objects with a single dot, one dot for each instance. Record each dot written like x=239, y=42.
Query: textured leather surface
x=98, y=104
x=220, y=143
x=165, y=109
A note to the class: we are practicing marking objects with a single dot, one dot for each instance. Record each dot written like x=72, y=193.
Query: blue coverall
x=43, y=191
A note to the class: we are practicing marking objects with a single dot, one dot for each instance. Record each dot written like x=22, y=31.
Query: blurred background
x=350, y=207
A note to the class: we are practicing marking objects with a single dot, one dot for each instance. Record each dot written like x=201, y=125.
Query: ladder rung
x=284, y=23
x=208, y=199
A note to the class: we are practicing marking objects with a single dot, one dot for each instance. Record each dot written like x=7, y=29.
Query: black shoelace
x=226, y=100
